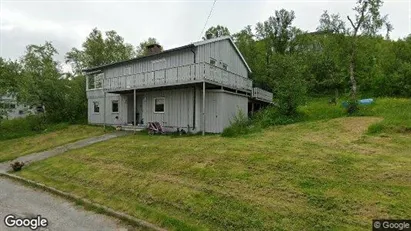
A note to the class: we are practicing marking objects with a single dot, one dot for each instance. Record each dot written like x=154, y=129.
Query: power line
x=209, y=15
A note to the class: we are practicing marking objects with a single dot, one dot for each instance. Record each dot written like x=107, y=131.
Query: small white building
x=198, y=87
x=13, y=109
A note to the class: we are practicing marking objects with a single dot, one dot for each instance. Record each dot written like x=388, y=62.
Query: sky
x=67, y=23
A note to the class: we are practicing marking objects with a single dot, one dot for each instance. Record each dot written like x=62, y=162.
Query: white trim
x=154, y=105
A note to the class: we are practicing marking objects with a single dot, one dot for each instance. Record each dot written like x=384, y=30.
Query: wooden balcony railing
x=190, y=73
x=261, y=94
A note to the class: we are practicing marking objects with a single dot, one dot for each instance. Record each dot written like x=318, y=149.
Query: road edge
x=85, y=203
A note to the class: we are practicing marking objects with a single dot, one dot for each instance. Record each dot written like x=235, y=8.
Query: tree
x=41, y=75
x=287, y=82
x=368, y=21
x=332, y=24
x=97, y=50
x=142, y=47
x=215, y=32
x=277, y=31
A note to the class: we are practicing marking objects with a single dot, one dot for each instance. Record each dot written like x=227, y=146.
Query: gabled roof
x=191, y=45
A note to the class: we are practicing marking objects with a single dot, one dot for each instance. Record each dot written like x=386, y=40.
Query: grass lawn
x=317, y=175
x=13, y=148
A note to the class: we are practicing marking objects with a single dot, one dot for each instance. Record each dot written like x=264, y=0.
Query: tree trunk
x=352, y=77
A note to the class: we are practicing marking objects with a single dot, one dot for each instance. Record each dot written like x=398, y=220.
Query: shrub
x=240, y=125
x=16, y=166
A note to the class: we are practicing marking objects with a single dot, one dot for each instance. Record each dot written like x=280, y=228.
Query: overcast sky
x=67, y=23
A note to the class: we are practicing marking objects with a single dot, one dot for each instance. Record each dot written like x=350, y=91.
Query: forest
x=345, y=57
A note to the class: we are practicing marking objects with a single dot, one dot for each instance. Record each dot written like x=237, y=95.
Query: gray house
x=11, y=109
x=198, y=87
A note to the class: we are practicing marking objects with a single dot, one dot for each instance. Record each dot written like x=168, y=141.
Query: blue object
x=361, y=102
x=366, y=101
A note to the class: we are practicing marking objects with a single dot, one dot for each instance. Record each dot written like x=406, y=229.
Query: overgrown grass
x=316, y=175
x=396, y=114
x=31, y=125
x=13, y=148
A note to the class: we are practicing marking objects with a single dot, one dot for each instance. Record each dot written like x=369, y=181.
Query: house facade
x=11, y=109
x=198, y=87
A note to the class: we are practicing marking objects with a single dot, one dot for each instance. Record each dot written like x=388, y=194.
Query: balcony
x=262, y=95
x=191, y=73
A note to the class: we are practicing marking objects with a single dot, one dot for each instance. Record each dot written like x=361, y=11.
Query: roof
x=191, y=45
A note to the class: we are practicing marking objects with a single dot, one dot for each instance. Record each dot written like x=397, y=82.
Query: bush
x=16, y=166
x=240, y=125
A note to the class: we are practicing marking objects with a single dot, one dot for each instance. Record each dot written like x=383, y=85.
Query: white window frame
x=95, y=79
x=118, y=106
x=154, y=105
x=94, y=107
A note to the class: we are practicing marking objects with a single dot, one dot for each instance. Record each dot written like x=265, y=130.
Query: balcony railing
x=190, y=73
x=261, y=94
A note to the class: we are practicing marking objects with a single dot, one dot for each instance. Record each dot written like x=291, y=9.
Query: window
x=212, y=61
x=159, y=105
x=21, y=112
x=225, y=66
x=95, y=81
x=96, y=107
x=114, y=106
x=12, y=106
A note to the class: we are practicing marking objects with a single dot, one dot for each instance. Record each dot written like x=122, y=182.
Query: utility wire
x=209, y=15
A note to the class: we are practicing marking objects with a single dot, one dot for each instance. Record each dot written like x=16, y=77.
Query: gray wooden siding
x=174, y=59
x=224, y=52
x=98, y=118
x=178, y=112
x=221, y=107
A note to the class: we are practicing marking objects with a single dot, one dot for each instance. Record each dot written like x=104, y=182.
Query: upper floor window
x=212, y=61
x=95, y=81
x=225, y=66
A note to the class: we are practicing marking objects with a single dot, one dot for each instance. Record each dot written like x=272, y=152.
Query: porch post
x=252, y=108
x=134, y=110
x=104, y=110
x=204, y=108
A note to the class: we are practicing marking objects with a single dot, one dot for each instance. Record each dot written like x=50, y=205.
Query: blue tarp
x=361, y=102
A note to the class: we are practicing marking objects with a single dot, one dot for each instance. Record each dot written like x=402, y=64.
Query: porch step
x=130, y=128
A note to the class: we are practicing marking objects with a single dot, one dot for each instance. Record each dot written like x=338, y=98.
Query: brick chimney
x=154, y=49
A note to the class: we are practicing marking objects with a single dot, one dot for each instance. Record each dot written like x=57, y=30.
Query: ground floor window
x=114, y=106
x=96, y=107
x=159, y=105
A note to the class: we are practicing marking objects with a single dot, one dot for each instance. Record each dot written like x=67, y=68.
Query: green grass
x=13, y=148
x=324, y=174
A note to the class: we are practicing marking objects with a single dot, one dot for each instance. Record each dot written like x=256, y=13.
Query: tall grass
x=31, y=125
x=396, y=113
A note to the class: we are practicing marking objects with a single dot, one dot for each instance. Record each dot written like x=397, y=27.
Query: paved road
x=24, y=201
